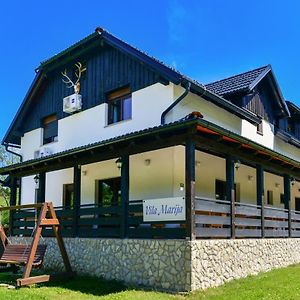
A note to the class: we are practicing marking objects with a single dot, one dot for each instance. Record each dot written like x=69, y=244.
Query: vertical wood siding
x=107, y=69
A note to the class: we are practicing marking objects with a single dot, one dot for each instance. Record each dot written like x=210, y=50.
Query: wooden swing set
x=32, y=255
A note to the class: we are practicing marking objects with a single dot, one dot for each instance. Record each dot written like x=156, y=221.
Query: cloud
x=177, y=17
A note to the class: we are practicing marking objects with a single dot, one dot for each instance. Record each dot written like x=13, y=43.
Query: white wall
x=90, y=125
x=210, y=111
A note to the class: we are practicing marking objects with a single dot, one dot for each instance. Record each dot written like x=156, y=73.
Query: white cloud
x=177, y=16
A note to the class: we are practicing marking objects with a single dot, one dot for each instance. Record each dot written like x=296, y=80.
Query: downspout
x=12, y=152
x=181, y=97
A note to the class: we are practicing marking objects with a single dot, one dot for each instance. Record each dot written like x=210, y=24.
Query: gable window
x=259, y=128
x=50, y=126
x=291, y=126
x=119, y=105
x=68, y=195
x=108, y=192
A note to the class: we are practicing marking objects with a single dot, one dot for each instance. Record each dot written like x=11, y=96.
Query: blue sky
x=207, y=40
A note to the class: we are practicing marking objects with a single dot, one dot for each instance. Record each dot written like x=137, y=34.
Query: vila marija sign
x=164, y=209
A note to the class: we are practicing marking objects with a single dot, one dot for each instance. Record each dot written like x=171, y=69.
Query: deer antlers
x=79, y=70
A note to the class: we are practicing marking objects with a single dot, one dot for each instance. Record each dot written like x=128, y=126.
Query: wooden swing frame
x=42, y=222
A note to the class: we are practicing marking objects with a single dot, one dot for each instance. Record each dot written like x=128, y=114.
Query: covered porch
x=232, y=187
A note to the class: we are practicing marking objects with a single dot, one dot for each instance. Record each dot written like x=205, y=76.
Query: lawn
x=277, y=284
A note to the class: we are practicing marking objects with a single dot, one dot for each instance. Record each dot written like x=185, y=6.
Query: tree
x=6, y=159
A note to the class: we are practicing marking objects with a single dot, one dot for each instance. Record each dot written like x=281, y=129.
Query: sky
x=206, y=40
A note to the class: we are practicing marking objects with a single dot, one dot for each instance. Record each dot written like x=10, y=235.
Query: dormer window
x=291, y=126
x=259, y=128
x=50, y=127
x=119, y=105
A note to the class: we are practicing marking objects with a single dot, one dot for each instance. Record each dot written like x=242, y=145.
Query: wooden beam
x=77, y=196
x=103, y=153
x=42, y=188
x=124, y=194
x=12, y=201
x=190, y=188
x=210, y=145
x=230, y=192
x=287, y=200
x=260, y=196
x=31, y=280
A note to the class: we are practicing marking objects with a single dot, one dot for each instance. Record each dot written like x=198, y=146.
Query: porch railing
x=97, y=221
x=213, y=219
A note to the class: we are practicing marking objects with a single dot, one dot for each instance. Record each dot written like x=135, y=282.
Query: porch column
x=230, y=192
x=124, y=195
x=260, y=196
x=77, y=195
x=287, y=200
x=190, y=188
x=42, y=188
x=12, y=201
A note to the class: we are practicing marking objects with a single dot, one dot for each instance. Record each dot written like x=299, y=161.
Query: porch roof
x=209, y=136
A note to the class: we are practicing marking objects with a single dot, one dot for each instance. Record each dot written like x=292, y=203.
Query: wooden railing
x=213, y=220
x=96, y=221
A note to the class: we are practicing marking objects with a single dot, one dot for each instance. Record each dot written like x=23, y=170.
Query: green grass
x=277, y=284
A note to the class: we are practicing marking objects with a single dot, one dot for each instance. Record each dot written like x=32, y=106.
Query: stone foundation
x=176, y=265
x=161, y=264
x=215, y=262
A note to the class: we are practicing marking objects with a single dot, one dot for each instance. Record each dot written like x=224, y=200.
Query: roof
x=35, y=165
x=293, y=107
x=237, y=83
x=246, y=82
x=159, y=67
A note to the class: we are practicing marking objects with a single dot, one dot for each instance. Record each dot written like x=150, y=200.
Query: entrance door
x=108, y=192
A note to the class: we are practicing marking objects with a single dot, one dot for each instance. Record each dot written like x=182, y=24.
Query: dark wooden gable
x=262, y=100
x=107, y=69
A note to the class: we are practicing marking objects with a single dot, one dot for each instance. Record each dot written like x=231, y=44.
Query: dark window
x=297, y=203
x=68, y=195
x=108, y=191
x=270, y=197
x=119, y=105
x=291, y=126
x=50, y=129
x=282, y=198
x=259, y=128
x=220, y=189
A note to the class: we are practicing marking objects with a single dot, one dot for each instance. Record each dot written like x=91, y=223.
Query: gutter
x=6, y=145
x=179, y=99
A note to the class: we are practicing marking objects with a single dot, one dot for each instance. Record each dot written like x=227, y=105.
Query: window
x=297, y=203
x=119, y=105
x=259, y=128
x=108, y=191
x=291, y=126
x=281, y=198
x=50, y=129
x=68, y=195
x=220, y=190
x=270, y=197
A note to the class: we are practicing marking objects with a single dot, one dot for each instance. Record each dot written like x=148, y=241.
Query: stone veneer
x=176, y=265
x=161, y=264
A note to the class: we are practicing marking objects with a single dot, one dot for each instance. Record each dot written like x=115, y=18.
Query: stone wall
x=161, y=264
x=216, y=261
x=176, y=265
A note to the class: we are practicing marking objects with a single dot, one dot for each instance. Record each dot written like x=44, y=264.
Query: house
x=158, y=179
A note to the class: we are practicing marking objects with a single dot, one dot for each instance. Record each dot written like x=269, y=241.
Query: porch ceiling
x=209, y=137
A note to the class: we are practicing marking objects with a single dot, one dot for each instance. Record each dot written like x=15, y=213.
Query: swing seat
x=18, y=255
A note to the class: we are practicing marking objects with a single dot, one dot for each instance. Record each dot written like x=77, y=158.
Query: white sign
x=164, y=209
